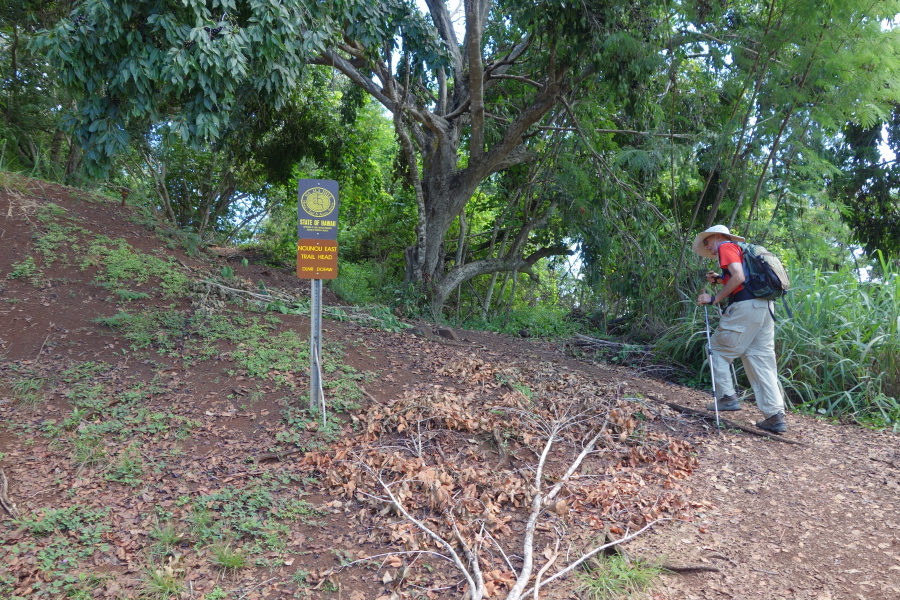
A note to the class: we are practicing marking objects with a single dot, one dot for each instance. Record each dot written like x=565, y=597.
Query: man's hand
x=704, y=298
x=711, y=276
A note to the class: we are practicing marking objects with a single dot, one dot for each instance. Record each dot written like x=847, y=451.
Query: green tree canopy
x=870, y=184
x=684, y=114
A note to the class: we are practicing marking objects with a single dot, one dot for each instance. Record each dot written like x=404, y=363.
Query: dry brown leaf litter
x=634, y=478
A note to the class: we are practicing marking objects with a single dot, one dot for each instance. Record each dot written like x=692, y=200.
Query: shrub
x=840, y=354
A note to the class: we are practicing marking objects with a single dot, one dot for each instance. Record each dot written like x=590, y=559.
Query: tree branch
x=440, y=541
x=574, y=565
x=430, y=120
x=516, y=78
x=502, y=65
x=440, y=16
x=474, y=30
x=334, y=60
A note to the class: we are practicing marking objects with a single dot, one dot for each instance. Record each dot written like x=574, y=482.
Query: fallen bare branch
x=540, y=502
x=271, y=295
x=368, y=395
x=276, y=455
x=544, y=569
x=440, y=541
x=728, y=423
x=41, y=351
x=689, y=568
x=574, y=565
x=258, y=585
x=8, y=505
x=586, y=341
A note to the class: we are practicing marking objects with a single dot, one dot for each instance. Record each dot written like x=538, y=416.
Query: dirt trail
x=818, y=522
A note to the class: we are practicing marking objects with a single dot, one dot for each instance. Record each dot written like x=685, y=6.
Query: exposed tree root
x=727, y=423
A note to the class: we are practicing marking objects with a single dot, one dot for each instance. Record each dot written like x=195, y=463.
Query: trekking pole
x=712, y=372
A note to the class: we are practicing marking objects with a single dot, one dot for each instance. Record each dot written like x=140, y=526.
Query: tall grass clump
x=616, y=578
x=838, y=356
x=684, y=344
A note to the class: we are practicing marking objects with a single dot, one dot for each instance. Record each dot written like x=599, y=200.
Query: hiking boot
x=724, y=403
x=775, y=423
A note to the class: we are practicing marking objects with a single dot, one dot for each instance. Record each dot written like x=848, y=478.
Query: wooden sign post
x=317, y=252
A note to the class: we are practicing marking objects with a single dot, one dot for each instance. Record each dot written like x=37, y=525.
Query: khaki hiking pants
x=747, y=330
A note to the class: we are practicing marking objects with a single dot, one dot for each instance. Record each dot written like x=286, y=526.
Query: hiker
x=746, y=330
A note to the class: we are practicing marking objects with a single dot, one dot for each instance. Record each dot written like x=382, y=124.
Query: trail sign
x=317, y=259
x=317, y=209
x=317, y=218
x=317, y=251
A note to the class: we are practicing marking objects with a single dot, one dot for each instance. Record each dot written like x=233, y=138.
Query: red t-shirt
x=729, y=252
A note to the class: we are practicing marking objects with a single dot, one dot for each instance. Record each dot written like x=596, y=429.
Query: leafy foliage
x=31, y=137
x=869, y=183
x=195, y=65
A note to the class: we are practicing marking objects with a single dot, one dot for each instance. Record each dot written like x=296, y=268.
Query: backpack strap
x=744, y=294
x=787, y=306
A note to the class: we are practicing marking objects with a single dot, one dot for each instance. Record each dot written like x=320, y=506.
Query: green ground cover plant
x=52, y=238
x=174, y=237
x=616, y=578
x=127, y=468
x=342, y=386
x=55, y=237
x=233, y=528
x=258, y=351
x=217, y=594
x=27, y=391
x=120, y=265
x=99, y=431
x=26, y=269
x=240, y=525
x=84, y=370
x=64, y=539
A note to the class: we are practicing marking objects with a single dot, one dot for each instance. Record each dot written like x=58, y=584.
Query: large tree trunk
x=430, y=133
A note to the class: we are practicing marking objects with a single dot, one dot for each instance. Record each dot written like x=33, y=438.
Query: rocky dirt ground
x=142, y=451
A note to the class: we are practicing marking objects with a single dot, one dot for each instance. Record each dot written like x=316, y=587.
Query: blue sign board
x=317, y=209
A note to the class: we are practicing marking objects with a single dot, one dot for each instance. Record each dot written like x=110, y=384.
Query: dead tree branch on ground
x=466, y=556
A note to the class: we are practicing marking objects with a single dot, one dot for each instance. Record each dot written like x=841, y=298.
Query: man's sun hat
x=700, y=249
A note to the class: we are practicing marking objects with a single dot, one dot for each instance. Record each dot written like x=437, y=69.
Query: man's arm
x=736, y=269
